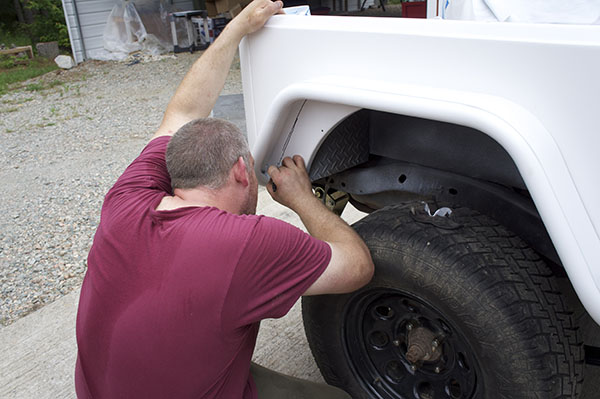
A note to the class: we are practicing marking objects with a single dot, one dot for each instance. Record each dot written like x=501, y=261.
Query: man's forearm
x=198, y=92
x=294, y=191
x=350, y=266
x=323, y=224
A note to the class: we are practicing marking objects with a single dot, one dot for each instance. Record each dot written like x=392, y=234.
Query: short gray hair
x=203, y=151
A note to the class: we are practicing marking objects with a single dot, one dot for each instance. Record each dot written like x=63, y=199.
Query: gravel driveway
x=63, y=142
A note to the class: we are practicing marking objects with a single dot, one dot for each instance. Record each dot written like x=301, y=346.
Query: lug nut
x=396, y=342
x=435, y=343
x=409, y=326
x=437, y=370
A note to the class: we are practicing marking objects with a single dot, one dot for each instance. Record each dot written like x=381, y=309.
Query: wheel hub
x=422, y=346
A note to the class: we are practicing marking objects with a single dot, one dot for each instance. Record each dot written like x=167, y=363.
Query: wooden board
x=23, y=49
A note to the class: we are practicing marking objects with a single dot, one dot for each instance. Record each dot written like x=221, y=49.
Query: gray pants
x=273, y=385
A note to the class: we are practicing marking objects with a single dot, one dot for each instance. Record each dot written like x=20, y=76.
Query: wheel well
x=382, y=159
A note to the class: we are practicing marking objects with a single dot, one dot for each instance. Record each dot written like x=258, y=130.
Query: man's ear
x=240, y=172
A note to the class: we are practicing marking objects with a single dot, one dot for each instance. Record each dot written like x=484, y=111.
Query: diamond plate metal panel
x=346, y=146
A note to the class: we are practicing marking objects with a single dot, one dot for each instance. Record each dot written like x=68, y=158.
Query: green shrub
x=49, y=22
x=11, y=61
x=12, y=34
x=7, y=62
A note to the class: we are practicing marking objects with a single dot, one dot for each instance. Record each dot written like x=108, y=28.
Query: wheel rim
x=386, y=328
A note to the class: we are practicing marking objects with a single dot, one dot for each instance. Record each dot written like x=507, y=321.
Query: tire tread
x=500, y=264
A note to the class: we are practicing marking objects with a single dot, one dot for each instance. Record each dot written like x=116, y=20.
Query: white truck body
x=533, y=88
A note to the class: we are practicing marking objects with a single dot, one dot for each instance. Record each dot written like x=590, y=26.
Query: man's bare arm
x=198, y=92
x=350, y=266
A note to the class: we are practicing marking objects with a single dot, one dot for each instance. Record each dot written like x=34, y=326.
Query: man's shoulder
x=158, y=141
x=275, y=231
x=215, y=219
x=256, y=228
x=147, y=172
x=261, y=222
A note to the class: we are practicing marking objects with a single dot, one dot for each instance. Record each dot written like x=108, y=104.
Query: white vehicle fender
x=302, y=114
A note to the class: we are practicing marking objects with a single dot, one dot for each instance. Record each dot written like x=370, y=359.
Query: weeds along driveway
x=64, y=139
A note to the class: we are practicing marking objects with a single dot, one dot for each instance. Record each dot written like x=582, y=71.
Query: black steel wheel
x=404, y=347
x=458, y=308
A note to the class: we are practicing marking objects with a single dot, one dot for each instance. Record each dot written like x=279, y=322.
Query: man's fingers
x=271, y=8
x=273, y=171
x=254, y=16
x=299, y=161
x=279, y=5
x=276, y=6
x=288, y=162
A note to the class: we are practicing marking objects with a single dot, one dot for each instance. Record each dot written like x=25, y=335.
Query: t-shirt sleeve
x=147, y=171
x=278, y=264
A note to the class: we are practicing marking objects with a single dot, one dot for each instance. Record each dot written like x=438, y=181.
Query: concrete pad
x=39, y=350
x=231, y=108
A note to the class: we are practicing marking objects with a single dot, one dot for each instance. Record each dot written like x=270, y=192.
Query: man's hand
x=350, y=266
x=254, y=16
x=292, y=182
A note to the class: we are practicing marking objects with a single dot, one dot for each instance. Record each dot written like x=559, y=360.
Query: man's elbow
x=364, y=272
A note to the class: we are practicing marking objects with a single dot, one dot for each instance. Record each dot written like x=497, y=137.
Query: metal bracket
x=335, y=201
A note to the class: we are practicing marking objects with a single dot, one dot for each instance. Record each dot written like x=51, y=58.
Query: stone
x=64, y=62
x=47, y=50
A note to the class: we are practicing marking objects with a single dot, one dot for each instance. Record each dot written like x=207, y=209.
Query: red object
x=320, y=11
x=416, y=9
x=171, y=300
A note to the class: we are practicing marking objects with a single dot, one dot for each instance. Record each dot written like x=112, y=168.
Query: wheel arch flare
x=302, y=116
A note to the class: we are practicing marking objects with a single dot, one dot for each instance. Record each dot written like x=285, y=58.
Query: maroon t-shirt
x=171, y=301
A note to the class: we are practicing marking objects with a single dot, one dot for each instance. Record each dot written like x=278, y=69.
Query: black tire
x=491, y=303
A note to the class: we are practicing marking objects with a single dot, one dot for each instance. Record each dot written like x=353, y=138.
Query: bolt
x=396, y=342
x=413, y=367
x=435, y=344
x=409, y=326
x=438, y=369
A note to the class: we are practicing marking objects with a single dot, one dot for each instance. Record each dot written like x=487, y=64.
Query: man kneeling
x=181, y=271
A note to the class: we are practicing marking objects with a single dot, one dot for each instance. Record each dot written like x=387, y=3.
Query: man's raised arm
x=198, y=92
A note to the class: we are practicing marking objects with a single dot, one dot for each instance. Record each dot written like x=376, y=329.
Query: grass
x=19, y=73
x=18, y=69
x=43, y=86
x=20, y=101
x=10, y=38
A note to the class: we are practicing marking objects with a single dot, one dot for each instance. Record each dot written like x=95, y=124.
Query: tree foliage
x=42, y=21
